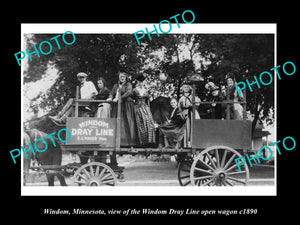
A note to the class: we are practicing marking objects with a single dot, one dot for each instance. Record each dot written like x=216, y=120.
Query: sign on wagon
x=92, y=131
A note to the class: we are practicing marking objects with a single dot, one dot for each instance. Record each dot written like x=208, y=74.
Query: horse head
x=43, y=123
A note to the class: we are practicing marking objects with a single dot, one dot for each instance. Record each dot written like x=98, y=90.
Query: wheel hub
x=219, y=176
x=95, y=183
x=222, y=175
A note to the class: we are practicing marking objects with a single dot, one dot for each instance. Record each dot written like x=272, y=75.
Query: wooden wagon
x=215, y=144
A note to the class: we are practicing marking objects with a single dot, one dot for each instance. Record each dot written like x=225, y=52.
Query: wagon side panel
x=232, y=133
x=91, y=131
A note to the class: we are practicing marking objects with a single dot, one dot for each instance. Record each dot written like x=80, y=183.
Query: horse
x=51, y=156
x=39, y=128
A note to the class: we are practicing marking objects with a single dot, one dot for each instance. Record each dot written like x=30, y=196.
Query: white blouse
x=87, y=90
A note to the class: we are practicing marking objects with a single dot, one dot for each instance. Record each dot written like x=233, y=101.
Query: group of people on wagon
x=138, y=127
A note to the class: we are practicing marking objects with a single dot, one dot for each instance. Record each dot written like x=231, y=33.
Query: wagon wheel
x=215, y=166
x=183, y=173
x=95, y=174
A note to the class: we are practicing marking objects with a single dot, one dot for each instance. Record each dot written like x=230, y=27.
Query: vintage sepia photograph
x=160, y=118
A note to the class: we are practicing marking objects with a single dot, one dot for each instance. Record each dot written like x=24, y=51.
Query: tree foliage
x=246, y=56
x=212, y=55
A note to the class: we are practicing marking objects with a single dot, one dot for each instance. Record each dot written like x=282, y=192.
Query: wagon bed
x=215, y=145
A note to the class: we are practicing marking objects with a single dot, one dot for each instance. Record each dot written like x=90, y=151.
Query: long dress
x=101, y=110
x=185, y=105
x=174, y=130
x=161, y=109
x=236, y=110
x=144, y=119
x=129, y=134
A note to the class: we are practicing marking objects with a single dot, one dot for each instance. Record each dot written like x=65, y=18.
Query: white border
x=148, y=191
x=233, y=28
x=130, y=28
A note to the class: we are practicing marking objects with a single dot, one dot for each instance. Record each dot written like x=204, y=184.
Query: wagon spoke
x=199, y=182
x=183, y=177
x=238, y=172
x=92, y=170
x=229, y=183
x=217, y=157
x=86, y=173
x=205, y=171
x=102, y=172
x=205, y=164
x=236, y=180
x=83, y=177
x=232, y=167
x=229, y=161
x=223, y=158
x=108, y=181
x=97, y=171
x=208, y=182
x=210, y=159
x=105, y=176
x=201, y=178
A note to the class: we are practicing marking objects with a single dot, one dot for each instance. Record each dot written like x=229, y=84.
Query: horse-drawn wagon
x=209, y=160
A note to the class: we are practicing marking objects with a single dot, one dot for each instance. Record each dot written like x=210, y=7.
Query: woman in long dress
x=101, y=110
x=129, y=134
x=185, y=105
x=174, y=129
x=236, y=110
x=144, y=119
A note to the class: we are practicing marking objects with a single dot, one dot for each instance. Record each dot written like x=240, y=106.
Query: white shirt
x=87, y=90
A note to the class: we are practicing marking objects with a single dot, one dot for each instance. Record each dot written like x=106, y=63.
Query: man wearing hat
x=87, y=88
x=87, y=91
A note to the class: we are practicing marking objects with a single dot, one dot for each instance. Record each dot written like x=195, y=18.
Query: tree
x=176, y=62
x=96, y=54
x=214, y=55
x=246, y=55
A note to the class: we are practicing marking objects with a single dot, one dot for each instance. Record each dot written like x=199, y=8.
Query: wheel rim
x=95, y=174
x=216, y=166
x=184, y=168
